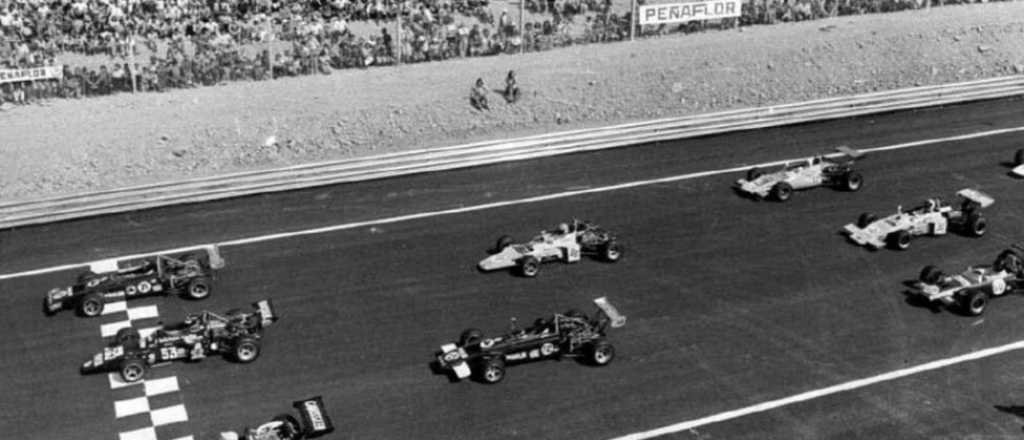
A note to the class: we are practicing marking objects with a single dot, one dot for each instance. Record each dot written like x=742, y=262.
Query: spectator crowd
x=154, y=45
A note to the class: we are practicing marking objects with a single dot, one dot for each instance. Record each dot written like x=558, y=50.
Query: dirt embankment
x=69, y=146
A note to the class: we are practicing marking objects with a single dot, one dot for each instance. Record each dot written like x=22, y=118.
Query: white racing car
x=567, y=243
x=1018, y=163
x=933, y=217
x=313, y=422
x=972, y=288
x=813, y=172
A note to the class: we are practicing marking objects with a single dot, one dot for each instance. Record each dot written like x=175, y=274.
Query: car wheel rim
x=492, y=375
x=613, y=254
x=92, y=308
x=199, y=291
x=246, y=352
x=602, y=356
x=133, y=373
x=977, y=305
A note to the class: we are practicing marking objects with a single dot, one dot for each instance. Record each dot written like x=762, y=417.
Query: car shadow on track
x=1016, y=410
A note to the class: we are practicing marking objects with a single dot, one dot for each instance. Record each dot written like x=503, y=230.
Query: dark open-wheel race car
x=190, y=274
x=569, y=334
x=235, y=334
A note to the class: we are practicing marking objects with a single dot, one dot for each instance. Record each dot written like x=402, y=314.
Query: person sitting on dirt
x=478, y=95
x=511, y=88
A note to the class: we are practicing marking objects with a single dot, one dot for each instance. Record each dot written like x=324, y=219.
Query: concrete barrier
x=22, y=213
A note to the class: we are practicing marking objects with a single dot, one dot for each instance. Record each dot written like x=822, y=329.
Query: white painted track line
x=137, y=313
x=814, y=394
x=160, y=386
x=139, y=434
x=108, y=330
x=130, y=407
x=523, y=201
x=116, y=381
x=168, y=415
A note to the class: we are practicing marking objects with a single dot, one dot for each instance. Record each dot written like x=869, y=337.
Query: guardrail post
x=632, y=20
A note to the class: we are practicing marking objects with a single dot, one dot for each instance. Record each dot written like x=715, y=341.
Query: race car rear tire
x=611, y=252
x=852, y=181
x=492, y=370
x=1010, y=261
x=246, y=350
x=865, y=219
x=1018, y=158
x=198, y=288
x=503, y=242
x=754, y=173
x=529, y=266
x=470, y=336
x=930, y=275
x=974, y=302
x=601, y=353
x=128, y=336
x=782, y=191
x=91, y=305
x=899, y=240
x=976, y=225
x=132, y=370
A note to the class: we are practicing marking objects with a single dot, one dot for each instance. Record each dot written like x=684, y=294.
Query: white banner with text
x=31, y=74
x=689, y=11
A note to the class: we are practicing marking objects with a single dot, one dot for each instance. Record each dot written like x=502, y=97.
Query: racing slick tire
x=529, y=266
x=492, y=370
x=899, y=240
x=754, y=173
x=852, y=181
x=930, y=275
x=503, y=242
x=128, y=337
x=974, y=302
x=246, y=350
x=611, y=252
x=1010, y=261
x=1018, y=158
x=600, y=353
x=91, y=305
x=976, y=225
x=865, y=219
x=198, y=288
x=132, y=370
x=470, y=336
x=782, y=191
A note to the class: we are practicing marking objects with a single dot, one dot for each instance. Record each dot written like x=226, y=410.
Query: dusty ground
x=71, y=146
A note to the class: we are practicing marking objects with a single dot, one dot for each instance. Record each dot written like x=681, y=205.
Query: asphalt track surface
x=731, y=302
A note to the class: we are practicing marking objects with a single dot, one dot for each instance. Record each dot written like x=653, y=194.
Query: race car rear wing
x=617, y=319
x=976, y=196
x=266, y=311
x=314, y=419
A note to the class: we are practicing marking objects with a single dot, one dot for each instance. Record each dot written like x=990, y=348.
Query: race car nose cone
x=1018, y=171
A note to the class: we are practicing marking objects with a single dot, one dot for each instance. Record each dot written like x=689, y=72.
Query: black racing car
x=313, y=422
x=190, y=274
x=235, y=334
x=571, y=334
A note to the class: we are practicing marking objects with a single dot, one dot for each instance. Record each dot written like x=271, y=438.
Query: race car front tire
x=976, y=225
x=611, y=252
x=899, y=240
x=503, y=242
x=128, y=336
x=492, y=370
x=91, y=305
x=601, y=353
x=865, y=219
x=470, y=336
x=132, y=370
x=930, y=275
x=246, y=350
x=198, y=288
x=782, y=191
x=852, y=181
x=974, y=302
x=754, y=173
x=529, y=267
x=1018, y=158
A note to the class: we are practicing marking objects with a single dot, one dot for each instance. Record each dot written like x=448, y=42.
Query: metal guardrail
x=48, y=210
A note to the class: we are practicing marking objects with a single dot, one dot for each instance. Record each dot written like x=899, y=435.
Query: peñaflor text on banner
x=689, y=11
x=31, y=74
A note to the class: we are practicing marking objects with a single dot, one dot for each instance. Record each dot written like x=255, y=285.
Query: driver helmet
x=563, y=228
x=193, y=322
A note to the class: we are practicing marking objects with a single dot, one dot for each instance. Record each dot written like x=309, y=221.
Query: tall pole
x=632, y=21
x=398, y=43
x=131, y=62
x=266, y=47
x=522, y=41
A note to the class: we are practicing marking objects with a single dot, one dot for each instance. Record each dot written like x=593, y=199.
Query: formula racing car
x=972, y=288
x=313, y=422
x=810, y=173
x=567, y=243
x=1018, y=163
x=236, y=334
x=190, y=274
x=570, y=334
x=933, y=217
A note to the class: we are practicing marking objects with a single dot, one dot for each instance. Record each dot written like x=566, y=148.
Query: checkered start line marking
x=160, y=420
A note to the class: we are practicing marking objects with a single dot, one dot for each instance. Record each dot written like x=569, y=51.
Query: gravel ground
x=68, y=146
